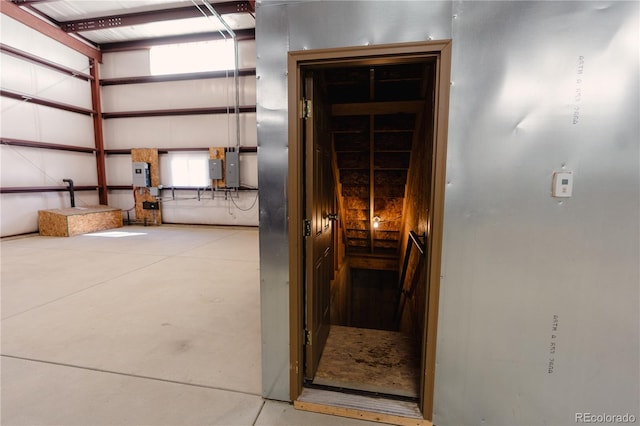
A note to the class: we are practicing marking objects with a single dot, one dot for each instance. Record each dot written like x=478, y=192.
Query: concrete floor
x=137, y=326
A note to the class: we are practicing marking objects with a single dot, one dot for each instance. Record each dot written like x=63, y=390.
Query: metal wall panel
x=307, y=25
x=537, y=87
x=540, y=87
x=271, y=72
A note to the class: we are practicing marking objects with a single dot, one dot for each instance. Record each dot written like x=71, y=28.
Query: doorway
x=367, y=156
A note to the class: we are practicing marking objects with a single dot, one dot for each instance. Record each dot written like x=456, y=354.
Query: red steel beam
x=27, y=189
x=185, y=111
x=139, y=18
x=15, y=12
x=46, y=102
x=42, y=61
x=98, y=134
x=45, y=145
x=120, y=46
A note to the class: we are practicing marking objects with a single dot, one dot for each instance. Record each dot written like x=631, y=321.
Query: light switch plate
x=562, y=186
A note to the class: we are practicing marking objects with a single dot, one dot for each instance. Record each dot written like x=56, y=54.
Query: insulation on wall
x=539, y=296
x=187, y=138
x=23, y=120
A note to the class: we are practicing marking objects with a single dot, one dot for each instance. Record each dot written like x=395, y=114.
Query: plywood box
x=78, y=220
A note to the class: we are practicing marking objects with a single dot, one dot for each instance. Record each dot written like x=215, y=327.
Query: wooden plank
x=371, y=360
x=147, y=155
x=78, y=220
x=51, y=224
x=217, y=153
x=374, y=108
x=360, y=414
x=377, y=263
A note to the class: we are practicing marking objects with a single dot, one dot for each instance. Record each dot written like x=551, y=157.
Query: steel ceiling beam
x=139, y=18
x=118, y=46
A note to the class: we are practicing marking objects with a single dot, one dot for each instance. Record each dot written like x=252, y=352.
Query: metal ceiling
x=114, y=25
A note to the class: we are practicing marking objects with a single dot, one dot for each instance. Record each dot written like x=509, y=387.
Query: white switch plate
x=562, y=184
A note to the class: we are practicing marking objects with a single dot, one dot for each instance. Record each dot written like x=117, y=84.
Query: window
x=189, y=170
x=214, y=55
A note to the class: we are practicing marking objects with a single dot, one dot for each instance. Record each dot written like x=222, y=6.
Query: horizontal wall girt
x=139, y=18
x=242, y=150
x=45, y=145
x=29, y=189
x=176, y=77
x=44, y=62
x=46, y=102
x=173, y=112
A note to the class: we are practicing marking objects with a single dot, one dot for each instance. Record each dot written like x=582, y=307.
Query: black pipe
x=71, y=194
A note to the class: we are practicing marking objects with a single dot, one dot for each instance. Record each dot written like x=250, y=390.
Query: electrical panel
x=215, y=168
x=141, y=174
x=232, y=168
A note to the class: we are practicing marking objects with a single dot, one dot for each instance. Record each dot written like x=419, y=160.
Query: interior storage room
x=239, y=212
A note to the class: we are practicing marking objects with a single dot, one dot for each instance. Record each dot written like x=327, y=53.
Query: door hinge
x=305, y=108
x=307, y=228
x=307, y=338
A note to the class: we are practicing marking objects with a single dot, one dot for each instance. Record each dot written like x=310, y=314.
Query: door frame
x=297, y=60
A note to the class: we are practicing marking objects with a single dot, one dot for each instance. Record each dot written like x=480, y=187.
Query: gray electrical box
x=215, y=168
x=141, y=174
x=232, y=168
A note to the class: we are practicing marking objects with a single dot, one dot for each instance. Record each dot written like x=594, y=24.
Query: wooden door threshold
x=361, y=407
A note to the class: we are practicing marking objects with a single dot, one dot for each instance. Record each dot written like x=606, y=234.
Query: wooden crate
x=78, y=220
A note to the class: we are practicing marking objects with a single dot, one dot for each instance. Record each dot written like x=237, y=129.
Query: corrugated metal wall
x=539, y=296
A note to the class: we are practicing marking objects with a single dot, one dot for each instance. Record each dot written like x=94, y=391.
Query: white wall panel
x=24, y=120
x=18, y=119
x=537, y=86
x=187, y=209
x=179, y=131
x=118, y=170
x=33, y=79
x=247, y=54
x=178, y=94
x=14, y=34
x=125, y=64
x=123, y=199
x=43, y=167
x=19, y=212
x=249, y=169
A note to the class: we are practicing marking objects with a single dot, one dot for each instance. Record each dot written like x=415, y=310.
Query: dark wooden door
x=319, y=206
